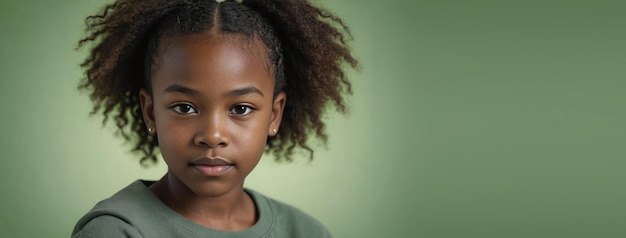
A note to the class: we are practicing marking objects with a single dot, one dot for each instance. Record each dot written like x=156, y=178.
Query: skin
x=212, y=99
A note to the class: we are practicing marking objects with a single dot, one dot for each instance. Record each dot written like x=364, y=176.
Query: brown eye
x=184, y=108
x=241, y=110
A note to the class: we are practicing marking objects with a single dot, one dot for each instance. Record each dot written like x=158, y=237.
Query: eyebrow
x=232, y=93
x=243, y=91
x=181, y=89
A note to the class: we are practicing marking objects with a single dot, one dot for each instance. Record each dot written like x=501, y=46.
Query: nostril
x=209, y=143
x=211, y=137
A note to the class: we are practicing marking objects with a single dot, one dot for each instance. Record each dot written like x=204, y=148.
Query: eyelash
x=177, y=108
x=189, y=109
x=248, y=110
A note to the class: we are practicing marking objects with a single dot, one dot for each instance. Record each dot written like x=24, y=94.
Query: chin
x=213, y=188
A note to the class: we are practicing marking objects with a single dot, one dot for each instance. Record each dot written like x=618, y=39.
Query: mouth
x=212, y=167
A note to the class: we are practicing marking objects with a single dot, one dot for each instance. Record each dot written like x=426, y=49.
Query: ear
x=277, y=113
x=147, y=109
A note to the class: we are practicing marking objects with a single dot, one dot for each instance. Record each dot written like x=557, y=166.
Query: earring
x=150, y=130
x=275, y=130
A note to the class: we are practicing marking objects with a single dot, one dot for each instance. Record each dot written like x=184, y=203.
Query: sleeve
x=106, y=226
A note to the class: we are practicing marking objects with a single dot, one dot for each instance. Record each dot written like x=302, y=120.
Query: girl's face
x=212, y=106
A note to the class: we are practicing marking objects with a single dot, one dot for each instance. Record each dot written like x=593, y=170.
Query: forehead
x=197, y=45
x=211, y=57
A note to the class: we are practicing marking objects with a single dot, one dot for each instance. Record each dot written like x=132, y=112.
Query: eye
x=241, y=110
x=183, y=108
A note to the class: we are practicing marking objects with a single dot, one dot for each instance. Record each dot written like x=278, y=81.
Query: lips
x=211, y=161
x=212, y=167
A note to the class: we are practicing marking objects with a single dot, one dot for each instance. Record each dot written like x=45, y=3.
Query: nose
x=212, y=132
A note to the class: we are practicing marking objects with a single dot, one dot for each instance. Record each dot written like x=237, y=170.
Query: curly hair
x=307, y=50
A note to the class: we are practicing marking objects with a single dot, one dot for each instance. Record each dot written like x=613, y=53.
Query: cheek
x=169, y=143
x=171, y=135
x=251, y=134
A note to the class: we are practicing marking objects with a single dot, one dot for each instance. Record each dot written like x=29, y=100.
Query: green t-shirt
x=136, y=212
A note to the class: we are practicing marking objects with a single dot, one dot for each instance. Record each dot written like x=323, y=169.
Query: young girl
x=211, y=85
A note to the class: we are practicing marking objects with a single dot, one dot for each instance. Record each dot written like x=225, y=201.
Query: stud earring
x=150, y=130
x=274, y=130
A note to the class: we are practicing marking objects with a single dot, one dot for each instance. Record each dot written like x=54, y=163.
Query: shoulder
x=291, y=220
x=106, y=226
x=123, y=213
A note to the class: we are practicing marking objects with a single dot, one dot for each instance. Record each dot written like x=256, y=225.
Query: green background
x=469, y=119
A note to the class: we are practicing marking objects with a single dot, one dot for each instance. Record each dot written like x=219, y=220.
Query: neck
x=231, y=211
